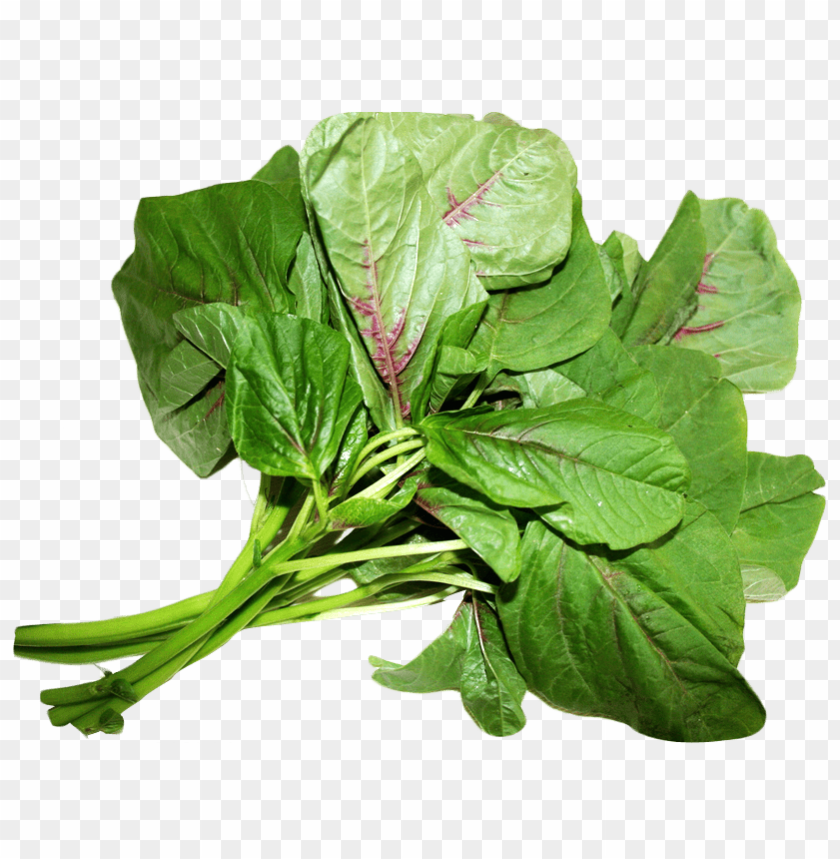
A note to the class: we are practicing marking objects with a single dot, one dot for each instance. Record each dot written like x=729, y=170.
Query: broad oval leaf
x=779, y=518
x=230, y=243
x=504, y=191
x=663, y=295
x=290, y=397
x=749, y=299
x=400, y=269
x=531, y=328
x=597, y=473
x=594, y=638
x=707, y=418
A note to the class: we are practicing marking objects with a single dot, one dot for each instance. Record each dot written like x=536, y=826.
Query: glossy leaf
x=230, y=243
x=779, y=519
x=664, y=294
x=597, y=473
x=290, y=398
x=488, y=529
x=212, y=328
x=592, y=637
x=363, y=512
x=401, y=270
x=705, y=415
x=307, y=284
x=185, y=371
x=749, y=299
x=531, y=328
x=470, y=657
x=503, y=190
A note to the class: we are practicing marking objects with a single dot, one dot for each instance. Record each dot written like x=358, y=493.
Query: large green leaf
x=664, y=294
x=504, y=190
x=749, y=306
x=488, y=529
x=595, y=636
x=470, y=657
x=531, y=328
x=599, y=474
x=290, y=395
x=228, y=243
x=780, y=515
x=400, y=269
x=706, y=416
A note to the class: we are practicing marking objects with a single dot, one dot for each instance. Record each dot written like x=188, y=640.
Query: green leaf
x=228, y=243
x=307, y=285
x=706, y=416
x=364, y=512
x=592, y=636
x=597, y=473
x=780, y=515
x=400, y=269
x=111, y=722
x=290, y=396
x=749, y=299
x=613, y=275
x=185, y=371
x=471, y=657
x=212, y=328
x=531, y=328
x=664, y=293
x=537, y=388
x=624, y=253
x=355, y=438
x=488, y=529
x=504, y=190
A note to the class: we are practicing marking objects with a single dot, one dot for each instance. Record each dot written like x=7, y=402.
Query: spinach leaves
x=449, y=387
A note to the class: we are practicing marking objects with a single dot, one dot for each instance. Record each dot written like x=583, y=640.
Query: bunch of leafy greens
x=449, y=387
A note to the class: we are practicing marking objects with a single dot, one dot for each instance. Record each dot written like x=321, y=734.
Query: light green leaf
x=624, y=252
x=504, y=190
x=400, y=269
x=538, y=388
x=597, y=473
x=592, y=636
x=228, y=243
x=749, y=299
x=531, y=328
x=706, y=416
x=664, y=293
x=471, y=657
x=290, y=396
x=488, y=529
x=780, y=515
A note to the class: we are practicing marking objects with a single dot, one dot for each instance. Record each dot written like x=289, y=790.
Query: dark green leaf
x=488, y=529
x=599, y=474
x=228, y=243
x=780, y=515
x=212, y=328
x=290, y=396
x=664, y=294
x=184, y=372
x=593, y=637
x=111, y=722
x=749, y=299
x=531, y=328
x=470, y=657
x=706, y=416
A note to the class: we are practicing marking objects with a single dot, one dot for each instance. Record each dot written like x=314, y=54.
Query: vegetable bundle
x=449, y=387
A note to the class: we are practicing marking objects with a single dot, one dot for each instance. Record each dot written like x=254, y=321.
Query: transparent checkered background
x=281, y=742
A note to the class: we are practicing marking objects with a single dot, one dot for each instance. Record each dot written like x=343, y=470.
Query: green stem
x=382, y=486
x=384, y=456
x=378, y=441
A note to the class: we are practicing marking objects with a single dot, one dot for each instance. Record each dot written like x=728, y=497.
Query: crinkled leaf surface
x=531, y=328
x=488, y=529
x=470, y=657
x=599, y=474
x=749, y=299
x=400, y=269
x=707, y=418
x=664, y=294
x=503, y=190
x=592, y=637
x=779, y=518
x=228, y=243
x=290, y=396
